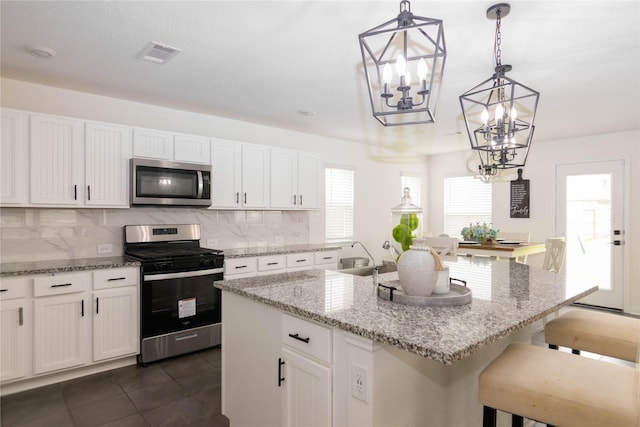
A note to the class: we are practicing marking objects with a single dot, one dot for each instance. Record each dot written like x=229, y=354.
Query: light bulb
x=485, y=116
x=423, y=69
x=401, y=65
x=499, y=114
x=514, y=114
x=407, y=80
x=387, y=74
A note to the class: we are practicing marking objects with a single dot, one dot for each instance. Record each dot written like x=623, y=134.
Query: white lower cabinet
x=61, y=332
x=15, y=329
x=285, y=380
x=240, y=268
x=307, y=391
x=59, y=322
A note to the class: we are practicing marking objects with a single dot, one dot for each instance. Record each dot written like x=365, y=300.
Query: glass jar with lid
x=406, y=224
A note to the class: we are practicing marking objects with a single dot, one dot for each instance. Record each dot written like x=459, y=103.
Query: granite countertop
x=507, y=296
x=64, y=265
x=278, y=250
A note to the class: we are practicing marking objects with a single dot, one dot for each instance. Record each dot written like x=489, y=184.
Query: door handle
x=88, y=192
x=280, y=377
x=617, y=243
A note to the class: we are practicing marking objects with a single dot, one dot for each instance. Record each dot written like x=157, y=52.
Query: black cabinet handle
x=272, y=263
x=82, y=308
x=20, y=316
x=280, y=377
x=61, y=285
x=241, y=266
x=4, y=290
x=237, y=197
x=299, y=338
x=301, y=200
x=115, y=278
x=294, y=199
x=75, y=192
x=97, y=305
x=301, y=260
x=245, y=198
x=88, y=192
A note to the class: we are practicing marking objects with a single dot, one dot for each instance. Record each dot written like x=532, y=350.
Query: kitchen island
x=350, y=358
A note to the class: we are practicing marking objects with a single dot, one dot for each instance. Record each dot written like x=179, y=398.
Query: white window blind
x=414, y=182
x=466, y=200
x=339, y=204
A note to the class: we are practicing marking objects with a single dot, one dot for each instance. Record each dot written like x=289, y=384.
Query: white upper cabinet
x=152, y=144
x=295, y=179
x=56, y=160
x=108, y=149
x=226, y=175
x=155, y=144
x=255, y=176
x=191, y=148
x=14, y=163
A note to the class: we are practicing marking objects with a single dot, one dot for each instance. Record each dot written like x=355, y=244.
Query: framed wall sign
x=519, y=197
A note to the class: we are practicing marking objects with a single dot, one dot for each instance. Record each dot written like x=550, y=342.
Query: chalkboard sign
x=520, y=197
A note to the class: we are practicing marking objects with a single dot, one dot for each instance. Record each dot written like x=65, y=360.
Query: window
x=339, y=204
x=414, y=182
x=466, y=200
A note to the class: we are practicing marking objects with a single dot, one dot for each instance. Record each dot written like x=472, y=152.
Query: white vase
x=442, y=283
x=417, y=270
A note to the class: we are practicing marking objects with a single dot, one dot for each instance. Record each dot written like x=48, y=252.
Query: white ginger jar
x=418, y=269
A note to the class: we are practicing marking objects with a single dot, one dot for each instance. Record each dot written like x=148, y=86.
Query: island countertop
x=507, y=296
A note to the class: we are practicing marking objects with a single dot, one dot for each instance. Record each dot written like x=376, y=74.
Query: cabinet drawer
x=310, y=338
x=326, y=257
x=61, y=284
x=304, y=259
x=115, y=277
x=14, y=287
x=239, y=266
x=269, y=263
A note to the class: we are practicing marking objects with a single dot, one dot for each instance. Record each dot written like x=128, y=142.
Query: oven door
x=179, y=301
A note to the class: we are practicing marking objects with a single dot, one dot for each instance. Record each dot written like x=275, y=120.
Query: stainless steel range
x=180, y=308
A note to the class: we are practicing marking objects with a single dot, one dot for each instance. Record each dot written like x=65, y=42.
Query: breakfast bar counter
x=417, y=361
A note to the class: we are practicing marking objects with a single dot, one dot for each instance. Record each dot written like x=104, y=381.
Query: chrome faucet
x=375, y=268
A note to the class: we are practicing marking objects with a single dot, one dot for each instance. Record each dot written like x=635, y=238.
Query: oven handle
x=183, y=274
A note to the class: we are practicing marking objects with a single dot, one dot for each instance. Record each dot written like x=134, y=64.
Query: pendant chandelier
x=403, y=61
x=499, y=112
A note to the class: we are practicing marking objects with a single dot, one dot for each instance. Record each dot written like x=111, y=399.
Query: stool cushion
x=597, y=332
x=560, y=388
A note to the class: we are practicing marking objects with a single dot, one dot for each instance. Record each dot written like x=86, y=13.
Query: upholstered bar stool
x=560, y=389
x=607, y=334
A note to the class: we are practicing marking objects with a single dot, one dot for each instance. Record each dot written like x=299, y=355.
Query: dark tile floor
x=178, y=392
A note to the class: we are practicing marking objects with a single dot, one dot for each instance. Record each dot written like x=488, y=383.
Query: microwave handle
x=200, y=185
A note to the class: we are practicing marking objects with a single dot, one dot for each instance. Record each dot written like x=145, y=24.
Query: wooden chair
x=554, y=254
x=444, y=246
x=524, y=237
x=559, y=388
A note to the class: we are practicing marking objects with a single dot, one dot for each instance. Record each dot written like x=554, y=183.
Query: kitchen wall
x=544, y=156
x=76, y=232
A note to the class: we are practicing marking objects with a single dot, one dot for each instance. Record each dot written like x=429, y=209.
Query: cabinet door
x=192, y=149
x=115, y=323
x=309, y=180
x=61, y=332
x=14, y=321
x=307, y=389
x=14, y=165
x=255, y=176
x=284, y=178
x=152, y=144
x=107, y=152
x=226, y=167
x=57, y=162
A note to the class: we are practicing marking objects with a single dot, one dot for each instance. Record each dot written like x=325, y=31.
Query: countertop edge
x=64, y=266
x=278, y=250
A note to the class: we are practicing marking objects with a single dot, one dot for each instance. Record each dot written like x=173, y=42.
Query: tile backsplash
x=29, y=234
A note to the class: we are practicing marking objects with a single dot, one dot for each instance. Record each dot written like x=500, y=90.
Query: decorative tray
x=458, y=295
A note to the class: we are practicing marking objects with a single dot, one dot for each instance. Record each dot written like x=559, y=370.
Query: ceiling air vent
x=158, y=53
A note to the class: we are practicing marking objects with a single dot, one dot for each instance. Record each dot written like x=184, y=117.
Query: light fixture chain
x=496, y=47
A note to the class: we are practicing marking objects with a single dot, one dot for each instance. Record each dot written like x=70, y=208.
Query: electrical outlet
x=279, y=240
x=105, y=248
x=359, y=382
x=212, y=243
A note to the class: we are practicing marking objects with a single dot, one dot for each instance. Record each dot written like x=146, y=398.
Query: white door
x=115, y=325
x=590, y=214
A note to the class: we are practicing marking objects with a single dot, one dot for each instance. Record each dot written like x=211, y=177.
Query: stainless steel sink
x=368, y=271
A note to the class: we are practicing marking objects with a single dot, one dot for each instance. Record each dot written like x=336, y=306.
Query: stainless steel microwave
x=160, y=182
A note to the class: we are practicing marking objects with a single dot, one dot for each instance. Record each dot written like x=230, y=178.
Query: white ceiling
x=263, y=61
